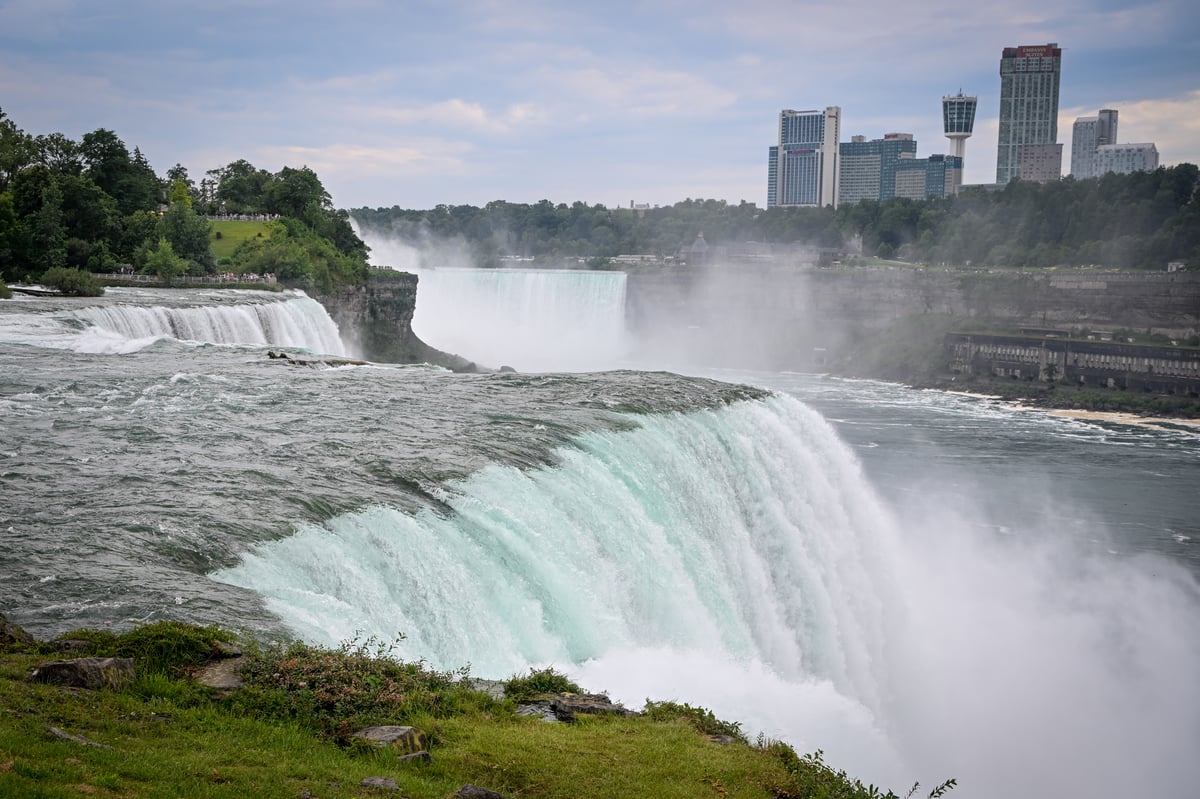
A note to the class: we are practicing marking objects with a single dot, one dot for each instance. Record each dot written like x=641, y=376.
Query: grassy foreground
x=286, y=733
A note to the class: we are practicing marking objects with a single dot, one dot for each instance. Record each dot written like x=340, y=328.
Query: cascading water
x=533, y=320
x=113, y=325
x=1011, y=608
x=738, y=559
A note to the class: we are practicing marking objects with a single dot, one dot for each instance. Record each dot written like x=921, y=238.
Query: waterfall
x=129, y=321
x=738, y=559
x=533, y=320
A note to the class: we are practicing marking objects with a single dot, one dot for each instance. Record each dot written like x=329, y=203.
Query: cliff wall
x=806, y=317
x=375, y=320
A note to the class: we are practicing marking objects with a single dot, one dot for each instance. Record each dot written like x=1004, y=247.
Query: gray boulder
x=93, y=673
x=567, y=706
x=475, y=792
x=12, y=635
x=380, y=783
x=401, y=740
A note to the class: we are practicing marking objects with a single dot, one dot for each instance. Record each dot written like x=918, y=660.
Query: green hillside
x=227, y=234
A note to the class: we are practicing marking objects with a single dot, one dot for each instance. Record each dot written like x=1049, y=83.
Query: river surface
x=921, y=584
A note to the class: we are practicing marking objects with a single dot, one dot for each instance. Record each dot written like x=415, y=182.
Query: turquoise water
x=923, y=585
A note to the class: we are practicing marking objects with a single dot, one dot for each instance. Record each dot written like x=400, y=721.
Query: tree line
x=70, y=208
x=1137, y=221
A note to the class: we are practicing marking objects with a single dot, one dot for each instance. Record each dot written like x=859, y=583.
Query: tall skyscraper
x=803, y=167
x=1029, y=81
x=958, y=121
x=1087, y=134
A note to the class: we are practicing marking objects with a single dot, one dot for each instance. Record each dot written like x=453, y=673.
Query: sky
x=417, y=104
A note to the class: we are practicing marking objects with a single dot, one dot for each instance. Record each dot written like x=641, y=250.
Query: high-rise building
x=1087, y=134
x=937, y=176
x=803, y=168
x=1029, y=81
x=868, y=168
x=1126, y=158
x=958, y=121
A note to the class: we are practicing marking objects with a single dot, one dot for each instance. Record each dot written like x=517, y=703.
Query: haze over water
x=923, y=585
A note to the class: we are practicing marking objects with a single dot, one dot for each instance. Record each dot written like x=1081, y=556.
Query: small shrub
x=72, y=282
x=5, y=291
x=537, y=683
x=812, y=778
x=165, y=647
x=701, y=718
x=358, y=684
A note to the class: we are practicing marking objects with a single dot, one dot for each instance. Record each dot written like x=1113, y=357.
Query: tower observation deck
x=958, y=120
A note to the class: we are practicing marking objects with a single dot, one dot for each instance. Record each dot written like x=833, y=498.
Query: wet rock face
x=91, y=673
x=12, y=635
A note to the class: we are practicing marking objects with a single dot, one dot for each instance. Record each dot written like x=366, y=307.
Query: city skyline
x=468, y=102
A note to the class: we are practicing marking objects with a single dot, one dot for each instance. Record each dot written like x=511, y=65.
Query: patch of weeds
x=538, y=683
x=810, y=777
x=701, y=718
x=165, y=647
x=358, y=684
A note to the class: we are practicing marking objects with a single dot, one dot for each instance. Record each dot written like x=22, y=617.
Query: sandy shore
x=1119, y=418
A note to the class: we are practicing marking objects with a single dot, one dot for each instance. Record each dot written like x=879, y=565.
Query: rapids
x=923, y=585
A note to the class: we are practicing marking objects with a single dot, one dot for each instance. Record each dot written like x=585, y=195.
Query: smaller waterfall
x=533, y=320
x=127, y=322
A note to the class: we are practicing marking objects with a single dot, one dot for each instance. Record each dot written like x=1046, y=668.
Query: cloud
x=1172, y=123
x=399, y=160
x=638, y=91
x=456, y=114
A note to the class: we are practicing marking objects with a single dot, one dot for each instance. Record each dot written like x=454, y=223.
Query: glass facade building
x=803, y=167
x=1029, y=84
x=934, y=177
x=868, y=168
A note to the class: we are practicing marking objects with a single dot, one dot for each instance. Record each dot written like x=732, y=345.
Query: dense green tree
x=73, y=282
x=297, y=193
x=189, y=235
x=16, y=150
x=59, y=154
x=9, y=238
x=125, y=177
x=163, y=261
x=241, y=188
x=49, y=244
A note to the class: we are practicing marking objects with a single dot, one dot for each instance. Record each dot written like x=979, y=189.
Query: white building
x=1126, y=158
x=1087, y=134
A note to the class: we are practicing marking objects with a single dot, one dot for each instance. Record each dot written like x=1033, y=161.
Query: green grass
x=284, y=736
x=234, y=232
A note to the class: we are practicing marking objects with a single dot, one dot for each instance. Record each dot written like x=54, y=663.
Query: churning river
x=921, y=584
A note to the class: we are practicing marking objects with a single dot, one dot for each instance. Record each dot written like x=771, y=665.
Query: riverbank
x=1063, y=399
x=291, y=722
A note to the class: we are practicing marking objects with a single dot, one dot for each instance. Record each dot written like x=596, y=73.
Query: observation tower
x=958, y=120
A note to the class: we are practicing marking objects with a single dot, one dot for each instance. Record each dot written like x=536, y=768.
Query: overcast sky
x=468, y=101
